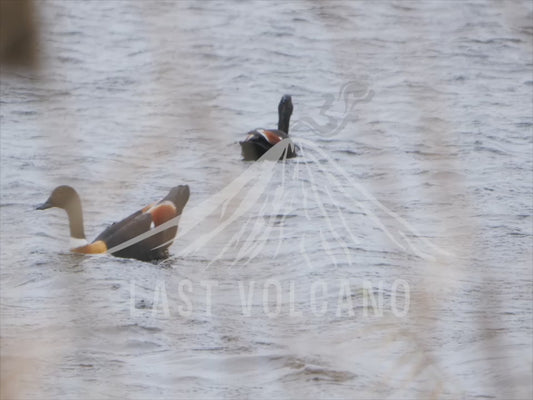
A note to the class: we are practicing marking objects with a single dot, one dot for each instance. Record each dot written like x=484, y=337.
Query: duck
x=137, y=236
x=259, y=141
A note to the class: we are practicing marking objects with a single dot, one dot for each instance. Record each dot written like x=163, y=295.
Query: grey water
x=391, y=259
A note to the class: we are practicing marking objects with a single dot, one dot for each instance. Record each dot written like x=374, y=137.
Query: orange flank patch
x=147, y=207
x=272, y=137
x=162, y=212
x=92, y=248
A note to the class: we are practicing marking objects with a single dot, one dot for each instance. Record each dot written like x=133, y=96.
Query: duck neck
x=283, y=122
x=75, y=219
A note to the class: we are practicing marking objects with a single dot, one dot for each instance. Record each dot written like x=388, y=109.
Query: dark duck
x=259, y=141
x=137, y=225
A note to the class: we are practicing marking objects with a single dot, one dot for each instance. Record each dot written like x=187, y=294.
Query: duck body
x=140, y=224
x=259, y=141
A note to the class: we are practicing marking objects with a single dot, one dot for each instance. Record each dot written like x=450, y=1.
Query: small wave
x=141, y=344
x=491, y=150
x=68, y=60
x=312, y=372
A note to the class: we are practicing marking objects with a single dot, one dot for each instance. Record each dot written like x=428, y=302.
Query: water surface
x=414, y=182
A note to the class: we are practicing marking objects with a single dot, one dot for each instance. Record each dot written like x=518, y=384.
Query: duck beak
x=44, y=206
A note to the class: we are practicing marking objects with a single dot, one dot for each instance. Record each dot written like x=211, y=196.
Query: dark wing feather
x=255, y=145
x=139, y=223
x=116, y=227
x=178, y=195
x=145, y=249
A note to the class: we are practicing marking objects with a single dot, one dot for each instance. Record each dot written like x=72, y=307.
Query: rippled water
x=414, y=183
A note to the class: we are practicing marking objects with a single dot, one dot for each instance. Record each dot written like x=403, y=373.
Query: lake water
x=391, y=259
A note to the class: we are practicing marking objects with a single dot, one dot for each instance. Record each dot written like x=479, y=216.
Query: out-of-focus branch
x=18, y=33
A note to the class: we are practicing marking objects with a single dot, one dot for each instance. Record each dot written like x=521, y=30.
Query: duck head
x=67, y=198
x=62, y=197
x=285, y=112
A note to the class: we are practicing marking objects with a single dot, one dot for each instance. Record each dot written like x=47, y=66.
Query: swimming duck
x=138, y=225
x=259, y=141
